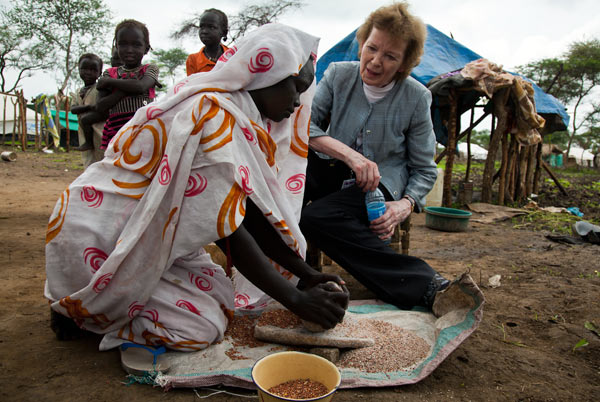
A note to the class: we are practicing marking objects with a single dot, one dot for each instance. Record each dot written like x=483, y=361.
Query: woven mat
x=222, y=363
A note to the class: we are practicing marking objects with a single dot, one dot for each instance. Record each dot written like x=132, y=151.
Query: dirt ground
x=523, y=350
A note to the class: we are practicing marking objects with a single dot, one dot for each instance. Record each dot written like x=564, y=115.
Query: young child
x=90, y=68
x=132, y=82
x=213, y=28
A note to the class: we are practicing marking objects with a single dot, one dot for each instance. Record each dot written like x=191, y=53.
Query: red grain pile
x=299, y=389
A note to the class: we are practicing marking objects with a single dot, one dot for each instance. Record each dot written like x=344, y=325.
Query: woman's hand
x=322, y=305
x=365, y=170
x=395, y=213
x=315, y=278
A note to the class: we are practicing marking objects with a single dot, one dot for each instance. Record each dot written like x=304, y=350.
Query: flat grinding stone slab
x=347, y=334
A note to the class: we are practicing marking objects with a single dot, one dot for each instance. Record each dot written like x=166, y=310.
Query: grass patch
x=541, y=220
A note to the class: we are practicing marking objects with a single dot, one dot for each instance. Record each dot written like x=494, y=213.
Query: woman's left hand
x=395, y=213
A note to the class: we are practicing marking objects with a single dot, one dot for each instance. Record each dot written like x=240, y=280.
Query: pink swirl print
x=164, y=177
x=186, y=305
x=295, y=184
x=96, y=257
x=262, y=62
x=152, y=112
x=195, y=185
x=227, y=54
x=245, y=173
x=134, y=309
x=92, y=196
x=179, y=85
x=208, y=271
x=152, y=315
x=241, y=300
x=200, y=282
x=249, y=136
x=102, y=282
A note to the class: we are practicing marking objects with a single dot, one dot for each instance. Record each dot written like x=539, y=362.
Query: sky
x=509, y=32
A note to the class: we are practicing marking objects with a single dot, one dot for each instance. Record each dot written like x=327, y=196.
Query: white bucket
x=9, y=156
x=434, y=198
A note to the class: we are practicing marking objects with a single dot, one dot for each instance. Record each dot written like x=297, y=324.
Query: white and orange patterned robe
x=124, y=246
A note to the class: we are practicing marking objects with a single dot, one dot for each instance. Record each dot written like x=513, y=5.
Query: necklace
x=128, y=70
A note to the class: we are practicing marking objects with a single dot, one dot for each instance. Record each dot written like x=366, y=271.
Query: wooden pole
x=503, y=170
x=38, y=134
x=538, y=171
x=23, y=108
x=500, y=98
x=469, y=145
x=523, y=157
x=67, y=123
x=461, y=136
x=556, y=181
x=512, y=155
x=451, y=146
x=530, y=170
x=4, y=122
x=15, y=127
x=57, y=117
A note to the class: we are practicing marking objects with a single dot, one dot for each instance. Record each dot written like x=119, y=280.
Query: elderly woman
x=220, y=159
x=372, y=121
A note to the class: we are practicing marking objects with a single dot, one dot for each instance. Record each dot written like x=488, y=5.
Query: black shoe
x=437, y=284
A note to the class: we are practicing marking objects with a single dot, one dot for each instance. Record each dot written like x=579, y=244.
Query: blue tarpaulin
x=73, y=122
x=442, y=55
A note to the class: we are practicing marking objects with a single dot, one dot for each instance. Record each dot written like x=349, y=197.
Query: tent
x=73, y=122
x=442, y=55
x=477, y=152
x=7, y=118
x=583, y=157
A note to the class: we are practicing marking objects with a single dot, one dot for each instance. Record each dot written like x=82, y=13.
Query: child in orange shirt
x=213, y=28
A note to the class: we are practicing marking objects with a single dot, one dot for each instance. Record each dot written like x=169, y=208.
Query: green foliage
x=580, y=344
x=18, y=54
x=65, y=29
x=480, y=137
x=572, y=79
x=251, y=16
x=170, y=61
x=541, y=220
x=560, y=138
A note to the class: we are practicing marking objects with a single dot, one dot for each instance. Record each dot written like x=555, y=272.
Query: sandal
x=135, y=359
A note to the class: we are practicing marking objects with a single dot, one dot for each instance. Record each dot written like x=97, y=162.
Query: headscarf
x=206, y=123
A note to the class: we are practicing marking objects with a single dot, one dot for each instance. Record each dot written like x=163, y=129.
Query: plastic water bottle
x=375, y=202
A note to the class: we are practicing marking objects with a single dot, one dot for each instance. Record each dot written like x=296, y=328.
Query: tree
x=170, y=61
x=251, y=16
x=572, y=79
x=480, y=137
x=65, y=29
x=18, y=55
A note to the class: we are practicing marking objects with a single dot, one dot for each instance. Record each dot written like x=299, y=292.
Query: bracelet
x=412, y=202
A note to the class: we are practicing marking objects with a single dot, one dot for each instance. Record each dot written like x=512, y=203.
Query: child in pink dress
x=134, y=81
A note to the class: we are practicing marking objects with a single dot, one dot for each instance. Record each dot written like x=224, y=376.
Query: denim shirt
x=397, y=132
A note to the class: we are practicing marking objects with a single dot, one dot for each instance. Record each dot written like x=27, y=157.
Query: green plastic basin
x=447, y=219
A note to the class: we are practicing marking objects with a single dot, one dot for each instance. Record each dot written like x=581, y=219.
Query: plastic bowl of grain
x=295, y=376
